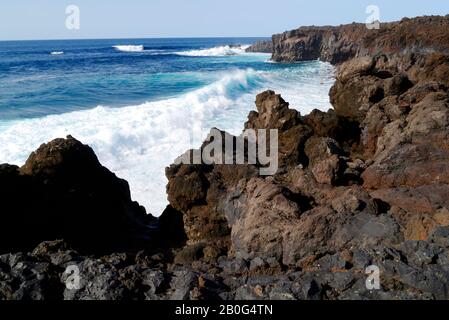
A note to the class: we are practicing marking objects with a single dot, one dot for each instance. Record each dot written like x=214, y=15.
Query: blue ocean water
x=140, y=103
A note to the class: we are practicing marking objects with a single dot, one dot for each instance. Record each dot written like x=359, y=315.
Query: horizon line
x=224, y=37
x=140, y=38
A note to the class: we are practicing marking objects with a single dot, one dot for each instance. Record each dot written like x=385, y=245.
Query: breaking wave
x=137, y=142
x=129, y=48
x=220, y=51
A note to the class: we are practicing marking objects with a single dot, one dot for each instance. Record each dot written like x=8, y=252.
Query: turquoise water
x=140, y=103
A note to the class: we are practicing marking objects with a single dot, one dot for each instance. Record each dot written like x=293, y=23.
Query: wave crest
x=220, y=51
x=138, y=142
x=129, y=48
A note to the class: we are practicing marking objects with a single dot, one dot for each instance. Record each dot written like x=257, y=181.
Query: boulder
x=63, y=192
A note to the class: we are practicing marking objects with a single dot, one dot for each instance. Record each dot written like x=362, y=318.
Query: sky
x=46, y=19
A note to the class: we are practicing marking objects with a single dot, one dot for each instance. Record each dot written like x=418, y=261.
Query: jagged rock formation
x=63, y=192
x=265, y=46
x=369, y=176
x=366, y=183
x=338, y=44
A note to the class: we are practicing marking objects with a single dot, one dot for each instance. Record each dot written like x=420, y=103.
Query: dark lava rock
x=365, y=184
x=261, y=46
x=63, y=192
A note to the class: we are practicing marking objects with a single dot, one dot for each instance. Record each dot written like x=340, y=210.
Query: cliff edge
x=339, y=44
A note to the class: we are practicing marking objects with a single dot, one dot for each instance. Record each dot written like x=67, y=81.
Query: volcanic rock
x=261, y=46
x=63, y=192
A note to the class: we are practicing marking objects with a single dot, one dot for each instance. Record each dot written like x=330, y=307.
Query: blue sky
x=45, y=19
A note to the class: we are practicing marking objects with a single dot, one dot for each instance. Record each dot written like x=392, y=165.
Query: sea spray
x=138, y=140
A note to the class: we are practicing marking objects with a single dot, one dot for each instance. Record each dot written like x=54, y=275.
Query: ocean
x=136, y=101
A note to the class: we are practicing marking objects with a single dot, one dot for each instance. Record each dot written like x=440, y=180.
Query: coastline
x=363, y=184
x=138, y=140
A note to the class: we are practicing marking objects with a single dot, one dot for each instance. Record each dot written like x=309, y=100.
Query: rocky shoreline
x=339, y=44
x=261, y=47
x=364, y=184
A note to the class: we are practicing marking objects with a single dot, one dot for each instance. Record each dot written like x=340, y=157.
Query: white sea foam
x=306, y=88
x=57, y=53
x=220, y=51
x=138, y=142
x=129, y=48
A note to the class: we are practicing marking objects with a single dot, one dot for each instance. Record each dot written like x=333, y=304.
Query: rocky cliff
x=261, y=46
x=358, y=185
x=338, y=44
x=366, y=183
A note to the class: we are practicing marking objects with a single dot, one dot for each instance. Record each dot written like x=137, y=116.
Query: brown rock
x=339, y=44
x=326, y=171
x=187, y=186
x=409, y=165
x=261, y=46
x=274, y=113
